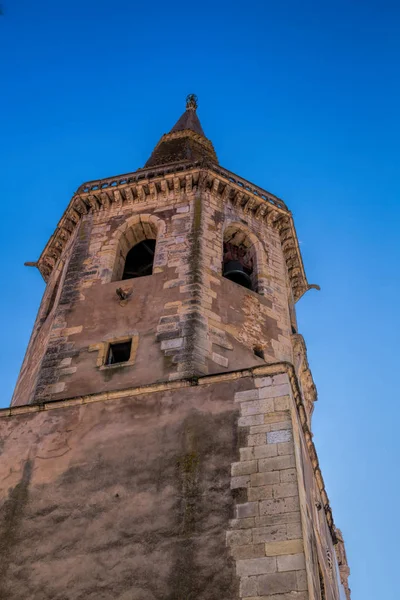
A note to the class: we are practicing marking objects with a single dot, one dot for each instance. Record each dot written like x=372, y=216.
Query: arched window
x=135, y=245
x=239, y=258
x=139, y=260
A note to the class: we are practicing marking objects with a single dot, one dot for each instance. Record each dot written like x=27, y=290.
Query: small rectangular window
x=119, y=352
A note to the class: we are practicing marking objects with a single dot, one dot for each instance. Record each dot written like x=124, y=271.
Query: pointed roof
x=185, y=142
x=189, y=119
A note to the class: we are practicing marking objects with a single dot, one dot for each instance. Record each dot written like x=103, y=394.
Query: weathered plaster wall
x=200, y=490
x=120, y=500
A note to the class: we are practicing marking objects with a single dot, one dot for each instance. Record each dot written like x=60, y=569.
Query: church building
x=159, y=441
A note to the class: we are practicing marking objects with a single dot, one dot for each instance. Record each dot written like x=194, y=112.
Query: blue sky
x=301, y=98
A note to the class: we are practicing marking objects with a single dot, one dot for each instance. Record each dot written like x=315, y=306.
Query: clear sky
x=301, y=98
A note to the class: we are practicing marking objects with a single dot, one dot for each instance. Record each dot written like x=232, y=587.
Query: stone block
x=285, y=490
x=173, y=283
x=278, y=417
x=261, y=382
x=280, y=425
x=260, y=429
x=255, y=566
x=294, y=530
x=246, y=395
x=67, y=371
x=72, y=330
x=65, y=362
x=257, y=439
x=291, y=519
x=288, y=475
x=278, y=505
x=266, y=478
x=285, y=448
x=174, y=343
x=269, y=534
x=279, y=379
x=260, y=492
x=291, y=562
x=274, y=391
x=55, y=388
x=238, y=537
x=266, y=451
x=279, y=437
x=276, y=463
x=256, y=407
x=241, y=523
x=220, y=360
x=301, y=578
x=277, y=583
x=248, y=509
x=284, y=547
x=244, y=468
x=248, y=587
x=247, y=453
x=282, y=403
x=249, y=551
x=251, y=420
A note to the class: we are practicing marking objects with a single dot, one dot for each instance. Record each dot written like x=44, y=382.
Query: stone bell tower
x=158, y=445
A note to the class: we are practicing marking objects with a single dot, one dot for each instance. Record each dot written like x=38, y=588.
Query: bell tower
x=161, y=421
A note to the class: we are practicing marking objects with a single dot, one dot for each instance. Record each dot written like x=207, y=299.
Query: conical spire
x=189, y=119
x=185, y=142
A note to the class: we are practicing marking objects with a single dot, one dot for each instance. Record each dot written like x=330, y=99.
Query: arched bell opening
x=243, y=256
x=239, y=259
x=136, y=247
x=236, y=267
x=139, y=260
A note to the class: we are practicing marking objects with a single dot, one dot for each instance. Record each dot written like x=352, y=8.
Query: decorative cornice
x=152, y=184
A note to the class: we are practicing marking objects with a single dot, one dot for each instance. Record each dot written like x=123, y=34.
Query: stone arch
x=241, y=244
x=132, y=232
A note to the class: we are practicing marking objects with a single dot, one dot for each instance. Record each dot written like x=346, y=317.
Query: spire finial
x=191, y=102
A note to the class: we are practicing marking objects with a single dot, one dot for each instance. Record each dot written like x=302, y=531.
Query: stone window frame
x=134, y=230
x=232, y=229
x=103, y=348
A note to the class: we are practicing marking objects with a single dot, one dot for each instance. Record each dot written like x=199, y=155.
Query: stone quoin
x=158, y=445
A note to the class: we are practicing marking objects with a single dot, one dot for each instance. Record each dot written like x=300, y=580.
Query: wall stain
x=11, y=521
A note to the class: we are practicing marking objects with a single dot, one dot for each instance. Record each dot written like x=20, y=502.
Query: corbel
x=164, y=188
x=141, y=194
x=128, y=195
x=153, y=190
x=177, y=185
x=117, y=197
x=105, y=199
x=189, y=183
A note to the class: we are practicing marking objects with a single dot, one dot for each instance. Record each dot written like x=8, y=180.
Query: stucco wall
x=203, y=489
x=127, y=499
